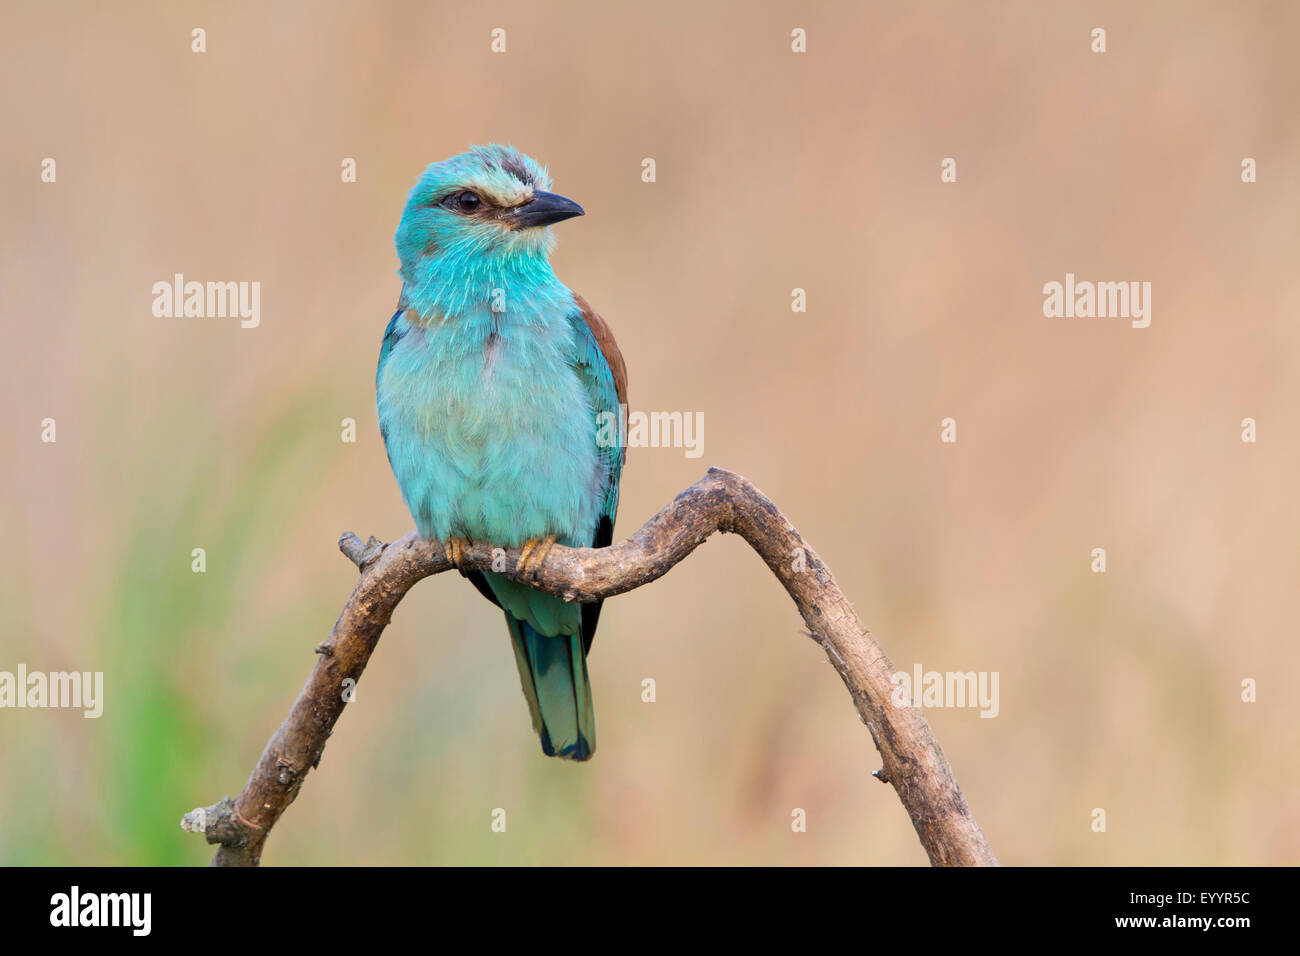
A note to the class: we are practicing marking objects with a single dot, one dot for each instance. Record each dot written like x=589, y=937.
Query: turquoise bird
x=497, y=387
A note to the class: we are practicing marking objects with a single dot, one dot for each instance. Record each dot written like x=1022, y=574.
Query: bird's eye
x=466, y=201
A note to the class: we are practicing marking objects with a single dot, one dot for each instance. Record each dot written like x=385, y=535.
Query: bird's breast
x=490, y=432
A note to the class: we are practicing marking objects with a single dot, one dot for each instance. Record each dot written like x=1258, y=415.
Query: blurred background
x=775, y=171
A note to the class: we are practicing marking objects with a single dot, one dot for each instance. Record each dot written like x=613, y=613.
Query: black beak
x=543, y=210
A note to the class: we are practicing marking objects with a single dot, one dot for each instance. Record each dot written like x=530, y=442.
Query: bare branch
x=914, y=764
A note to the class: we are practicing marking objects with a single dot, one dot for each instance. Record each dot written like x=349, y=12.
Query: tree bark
x=913, y=762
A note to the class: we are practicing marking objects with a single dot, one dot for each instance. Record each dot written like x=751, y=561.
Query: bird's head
x=487, y=206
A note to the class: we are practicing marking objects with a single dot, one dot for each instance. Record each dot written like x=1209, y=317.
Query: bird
x=496, y=389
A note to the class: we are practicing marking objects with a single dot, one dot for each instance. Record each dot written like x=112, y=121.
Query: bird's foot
x=531, y=556
x=455, y=551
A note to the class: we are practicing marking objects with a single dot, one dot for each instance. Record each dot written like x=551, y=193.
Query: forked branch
x=914, y=764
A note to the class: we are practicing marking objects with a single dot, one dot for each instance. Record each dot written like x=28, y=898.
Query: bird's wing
x=397, y=327
x=600, y=366
x=608, y=348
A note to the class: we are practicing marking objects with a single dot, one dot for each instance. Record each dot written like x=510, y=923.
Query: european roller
x=496, y=387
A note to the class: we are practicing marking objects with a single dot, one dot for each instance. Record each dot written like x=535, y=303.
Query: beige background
x=775, y=171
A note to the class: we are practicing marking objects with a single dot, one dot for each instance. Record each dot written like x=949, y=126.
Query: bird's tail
x=553, y=672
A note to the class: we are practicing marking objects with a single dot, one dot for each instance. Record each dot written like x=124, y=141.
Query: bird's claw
x=455, y=551
x=531, y=556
